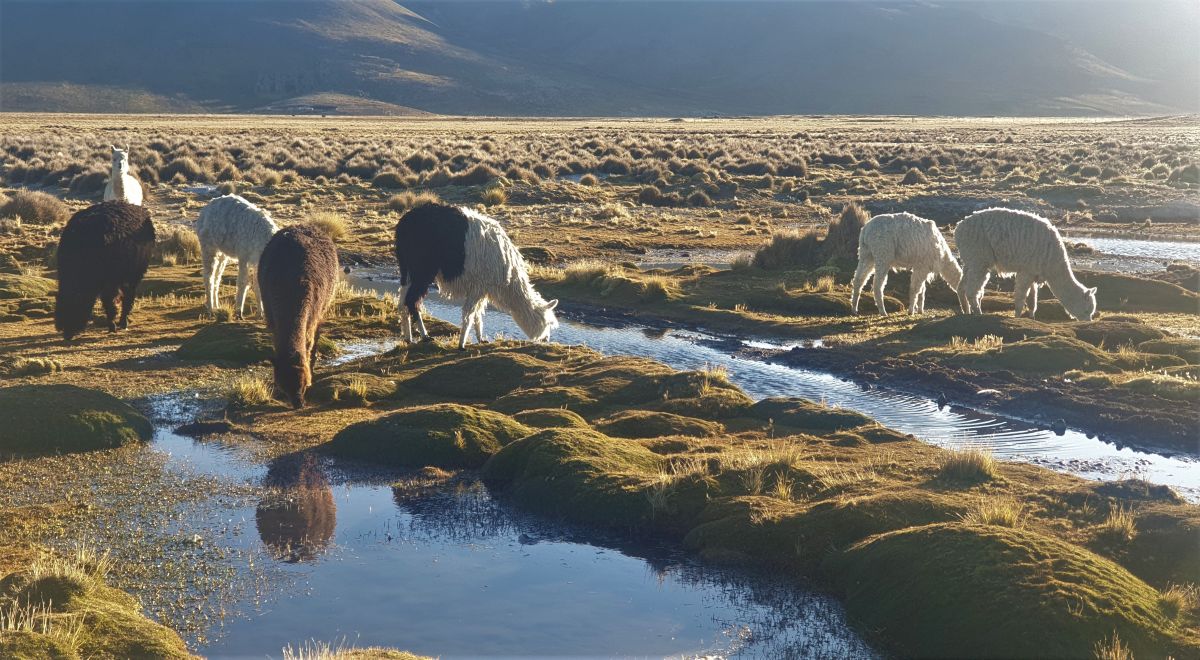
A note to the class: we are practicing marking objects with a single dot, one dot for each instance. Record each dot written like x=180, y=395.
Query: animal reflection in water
x=297, y=518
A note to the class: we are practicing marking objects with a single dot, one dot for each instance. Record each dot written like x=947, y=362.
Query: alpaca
x=902, y=240
x=472, y=260
x=122, y=186
x=297, y=273
x=1017, y=243
x=230, y=227
x=103, y=253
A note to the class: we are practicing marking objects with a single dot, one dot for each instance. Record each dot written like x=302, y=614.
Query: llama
x=122, y=186
x=230, y=227
x=1017, y=243
x=297, y=274
x=472, y=260
x=902, y=240
x=103, y=253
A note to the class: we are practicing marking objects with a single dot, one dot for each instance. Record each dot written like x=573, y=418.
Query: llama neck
x=521, y=301
x=118, y=180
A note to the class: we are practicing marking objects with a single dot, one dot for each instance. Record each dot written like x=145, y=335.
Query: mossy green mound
x=111, y=622
x=238, y=343
x=651, y=424
x=578, y=473
x=974, y=326
x=549, y=418
x=1188, y=349
x=444, y=435
x=717, y=403
x=486, y=376
x=37, y=420
x=1112, y=334
x=1116, y=292
x=25, y=286
x=808, y=415
x=573, y=398
x=351, y=388
x=619, y=380
x=1048, y=354
x=956, y=590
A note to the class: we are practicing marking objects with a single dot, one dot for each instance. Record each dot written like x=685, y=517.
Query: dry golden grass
x=972, y=464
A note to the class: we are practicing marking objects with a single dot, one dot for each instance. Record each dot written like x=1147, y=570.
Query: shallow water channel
x=339, y=555
x=1008, y=438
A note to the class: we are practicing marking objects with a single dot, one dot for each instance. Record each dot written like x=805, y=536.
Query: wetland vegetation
x=821, y=495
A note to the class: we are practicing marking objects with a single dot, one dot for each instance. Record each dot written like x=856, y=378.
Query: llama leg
x=977, y=301
x=108, y=298
x=916, y=289
x=405, y=318
x=881, y=277
x=417, y=289
x=208, y=261
x=218, y=273
x=921, y=301
x=860, y=280
x=257, y=294
x=127, y=292
x=420, y=309
x=243, y=285
x=468, y=321
x=1020, y=293
x=479, y=326
x=1032, y=301
x=970, y=290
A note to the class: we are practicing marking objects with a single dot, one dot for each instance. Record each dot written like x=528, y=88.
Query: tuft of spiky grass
x=589, y=180
x=1120, y=525
x=997, y=511
x=494, y=196
x=1179, y=599
x=36, y=208
x=658, y=287
x=1112, y=648
x=333, y=224
x=248, y=390
x=64, y=628
x=410, y=200
x=752, y=480
x=179, y=243
x=972, y=464
x=783, y=484
x=27, y=366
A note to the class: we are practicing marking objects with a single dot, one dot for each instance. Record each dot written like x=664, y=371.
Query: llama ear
x=552, y=304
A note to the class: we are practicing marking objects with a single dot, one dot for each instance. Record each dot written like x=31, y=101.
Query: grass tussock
x=36, y=208
x=409, y=200
x=249, y=391
x=494, y=196
x=333, y=224
x=1120, y=526
x=1112, y=648
x=969, y=465
x=179, y=245
x=997, y=511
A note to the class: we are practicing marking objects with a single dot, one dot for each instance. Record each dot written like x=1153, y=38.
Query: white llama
x=902, y=240
x=1010, y=242
x=230, y=227
x=121, y=184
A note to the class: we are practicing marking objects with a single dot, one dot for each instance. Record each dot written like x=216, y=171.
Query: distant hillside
x=596, y=58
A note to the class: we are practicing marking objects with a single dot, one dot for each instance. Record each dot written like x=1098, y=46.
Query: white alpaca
x=230, y=227
x=492, y=270
x=1017, y=243
x=121, y=185
x=902, y=240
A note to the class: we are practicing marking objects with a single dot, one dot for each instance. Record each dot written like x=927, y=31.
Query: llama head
x=120, y=159
x=72, y=313
x=951, y=271
x=543, y=321
x=1082, y=304
x=292, y=378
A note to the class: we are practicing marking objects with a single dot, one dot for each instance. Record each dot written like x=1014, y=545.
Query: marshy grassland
x=1003, y=558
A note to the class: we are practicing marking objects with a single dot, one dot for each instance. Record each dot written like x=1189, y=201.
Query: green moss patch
x=651, y=424
x=955, y=590
x=717, y=403
x=443, y=435
x=25, y=286
x=1048, y=354
x=549, y=418
x=1112, y=334
x=578, y=473
x=351, y=388
x=485, y=376
x=805, y=414
x=237, y=343
x=1182, y=347
x=37, y=420
x=974, y=326
x=1116, y=292
x=573, y=398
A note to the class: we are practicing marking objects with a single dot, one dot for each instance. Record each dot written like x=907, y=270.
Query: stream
x=951, y=426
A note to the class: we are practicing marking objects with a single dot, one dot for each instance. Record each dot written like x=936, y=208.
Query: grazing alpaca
x=1018, y=243
x=230, y=227
x=903, y=240
x=297, y=273
x=103, y=253
x=121, y=185
x=472, y=260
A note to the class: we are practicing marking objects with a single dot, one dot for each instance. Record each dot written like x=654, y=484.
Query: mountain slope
x=574, y=58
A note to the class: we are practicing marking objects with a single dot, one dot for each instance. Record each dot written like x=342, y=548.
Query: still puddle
x=1142, y=248
x=951, y=426
x=449, y=571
